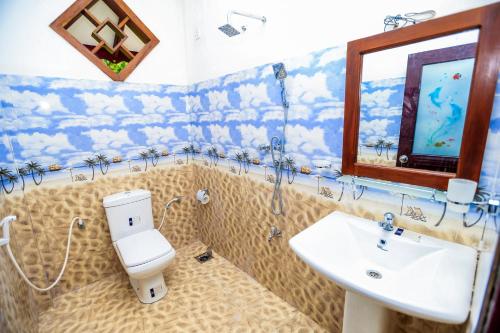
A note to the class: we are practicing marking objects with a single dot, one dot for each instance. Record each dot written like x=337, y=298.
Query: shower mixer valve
x=275, y=232
x=265, y=148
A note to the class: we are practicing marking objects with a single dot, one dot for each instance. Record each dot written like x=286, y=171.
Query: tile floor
x=211, y=297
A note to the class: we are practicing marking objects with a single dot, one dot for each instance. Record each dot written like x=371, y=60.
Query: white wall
x=294, y=27
x=393, y=62
x=191, y=47
x=31, y=47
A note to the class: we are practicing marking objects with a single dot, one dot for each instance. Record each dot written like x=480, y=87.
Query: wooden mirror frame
x=479, y=108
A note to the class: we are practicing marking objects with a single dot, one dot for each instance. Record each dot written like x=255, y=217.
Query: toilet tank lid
x=123, y=198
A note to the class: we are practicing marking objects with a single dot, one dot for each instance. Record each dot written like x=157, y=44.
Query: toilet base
x=151, y=289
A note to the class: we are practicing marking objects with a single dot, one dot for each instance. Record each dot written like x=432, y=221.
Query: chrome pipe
x=245, y=14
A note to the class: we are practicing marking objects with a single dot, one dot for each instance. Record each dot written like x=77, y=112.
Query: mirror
x=413, y=103
x=418, y=99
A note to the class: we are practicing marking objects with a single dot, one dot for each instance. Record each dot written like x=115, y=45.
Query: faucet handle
x=387, y=224
x=275, y=232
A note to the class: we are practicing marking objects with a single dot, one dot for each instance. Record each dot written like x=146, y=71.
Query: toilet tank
x=128, y=213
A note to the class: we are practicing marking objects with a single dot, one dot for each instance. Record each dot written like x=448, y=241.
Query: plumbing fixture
x=230, y=30
x=278, y=143
x=275, y=232
x=166, y=207
x=143, y=251
x=264, y=148
x=388, y=226
x=374, y=274
x=174, y=199
x=399, y=21
x=388, y=223
x=203, y=196
x=81, y=224
x=5, y=223
x=382, y=244
x=205, y=256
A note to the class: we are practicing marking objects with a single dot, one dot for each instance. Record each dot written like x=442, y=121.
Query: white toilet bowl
x=143, y=251
x=144, y=256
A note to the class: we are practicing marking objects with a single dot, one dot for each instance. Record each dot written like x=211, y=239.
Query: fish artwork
x=454, y=117
x=442, y=107
x=439, y=144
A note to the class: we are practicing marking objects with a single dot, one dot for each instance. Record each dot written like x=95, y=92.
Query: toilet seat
x=143, y=247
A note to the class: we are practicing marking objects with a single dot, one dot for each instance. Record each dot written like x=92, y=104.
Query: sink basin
x=415, y=274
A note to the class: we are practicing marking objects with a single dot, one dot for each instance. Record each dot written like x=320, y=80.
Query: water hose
x=61, y=272
x=278, y=144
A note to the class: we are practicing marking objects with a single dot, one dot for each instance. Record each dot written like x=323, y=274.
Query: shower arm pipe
x=245, y=14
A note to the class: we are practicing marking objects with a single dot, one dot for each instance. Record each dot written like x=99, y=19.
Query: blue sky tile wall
x=62, y=121
x=381, y=105
x=244, y=111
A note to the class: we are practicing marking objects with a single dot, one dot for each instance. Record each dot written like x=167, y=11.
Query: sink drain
x=374, y=274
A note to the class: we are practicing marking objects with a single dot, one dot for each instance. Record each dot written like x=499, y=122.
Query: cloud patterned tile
x=62, y=121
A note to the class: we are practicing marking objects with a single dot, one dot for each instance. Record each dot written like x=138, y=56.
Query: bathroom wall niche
x=108, y=33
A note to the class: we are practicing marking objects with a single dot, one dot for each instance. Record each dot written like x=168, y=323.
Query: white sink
x=420, y=275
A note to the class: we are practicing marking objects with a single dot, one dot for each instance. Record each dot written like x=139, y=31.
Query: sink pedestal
x=363, y=315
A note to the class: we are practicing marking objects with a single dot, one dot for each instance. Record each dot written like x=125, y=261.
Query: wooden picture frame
x=416, y=61
x=480, y=104
x=94, y=53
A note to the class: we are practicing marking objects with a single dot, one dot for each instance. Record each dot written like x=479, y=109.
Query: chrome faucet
x=275, y=232
x=388, y=223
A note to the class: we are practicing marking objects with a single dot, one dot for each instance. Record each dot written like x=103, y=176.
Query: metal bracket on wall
x=411, y=190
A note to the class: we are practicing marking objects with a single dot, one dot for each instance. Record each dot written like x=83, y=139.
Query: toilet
x=143, y=251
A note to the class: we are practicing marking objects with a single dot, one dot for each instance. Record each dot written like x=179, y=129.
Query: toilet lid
x=143, y=247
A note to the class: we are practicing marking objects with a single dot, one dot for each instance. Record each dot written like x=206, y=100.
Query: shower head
x=229, y=30
x=279, y=71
